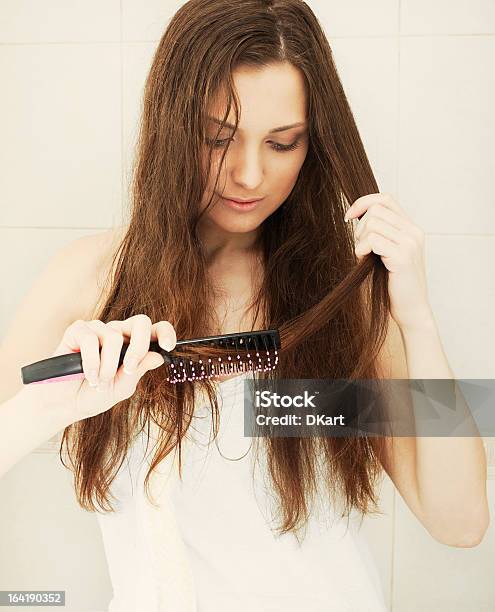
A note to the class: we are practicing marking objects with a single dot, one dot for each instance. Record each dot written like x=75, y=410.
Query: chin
x=236, y=222
x=239, y=228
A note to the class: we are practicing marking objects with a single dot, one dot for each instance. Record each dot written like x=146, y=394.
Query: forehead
x=270, y=96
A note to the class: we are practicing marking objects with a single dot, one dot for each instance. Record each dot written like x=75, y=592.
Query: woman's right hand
x=80, y=400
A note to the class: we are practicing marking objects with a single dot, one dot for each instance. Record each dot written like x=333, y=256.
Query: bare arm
x=25, y=423
x=442, y=479
x=451, y=471
x=68, y=289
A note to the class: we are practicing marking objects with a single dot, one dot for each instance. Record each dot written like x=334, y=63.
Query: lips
x=241, y=206
x=240, y=201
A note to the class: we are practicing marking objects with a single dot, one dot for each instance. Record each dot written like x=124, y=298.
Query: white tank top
x=212, y=546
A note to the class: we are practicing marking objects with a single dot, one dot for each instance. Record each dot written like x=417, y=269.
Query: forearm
x=24, y=425
x=451, y=471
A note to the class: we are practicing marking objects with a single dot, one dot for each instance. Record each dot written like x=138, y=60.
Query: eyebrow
x=282, y=128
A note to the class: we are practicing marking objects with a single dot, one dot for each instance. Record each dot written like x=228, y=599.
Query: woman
x=200, y=264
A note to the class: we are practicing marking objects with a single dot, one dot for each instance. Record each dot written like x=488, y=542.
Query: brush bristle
x=256, y=360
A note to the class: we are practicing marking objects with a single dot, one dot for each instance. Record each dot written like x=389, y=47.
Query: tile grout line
x=392, y=556
x=122, y=171
x=339, y=37
x=397, y=175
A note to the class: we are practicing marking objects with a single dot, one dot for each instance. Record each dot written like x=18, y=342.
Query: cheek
x=214, y=169
x=285, y=172
x=209, y=189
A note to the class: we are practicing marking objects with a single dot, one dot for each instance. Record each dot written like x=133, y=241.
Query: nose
x=247, y=168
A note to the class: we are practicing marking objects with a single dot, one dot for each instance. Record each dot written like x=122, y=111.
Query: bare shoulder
x=94, y=255
x=71, y=286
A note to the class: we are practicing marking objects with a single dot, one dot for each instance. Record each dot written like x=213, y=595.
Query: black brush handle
x=70, y=363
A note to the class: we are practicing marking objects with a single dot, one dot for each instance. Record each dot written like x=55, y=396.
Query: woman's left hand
x=386, y=230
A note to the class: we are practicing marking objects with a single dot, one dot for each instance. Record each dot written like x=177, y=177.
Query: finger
x=126, y=326
x=381, y=212
x=125, y=380
x=164, y=333
x=379, y=226
x=89, y=343
x=111, y=341
x=70, y=339
x=79, y=337
x=361, y=205
x=378, y=244
x=138, y=327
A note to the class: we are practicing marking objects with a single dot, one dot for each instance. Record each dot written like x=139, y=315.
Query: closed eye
x=217, y=144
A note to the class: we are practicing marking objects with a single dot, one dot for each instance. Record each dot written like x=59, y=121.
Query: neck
x=225, y=246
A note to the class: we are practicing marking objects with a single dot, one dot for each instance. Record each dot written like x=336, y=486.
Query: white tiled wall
x=420, y=79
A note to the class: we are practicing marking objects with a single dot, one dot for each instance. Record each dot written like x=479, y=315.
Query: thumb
x=152, y=361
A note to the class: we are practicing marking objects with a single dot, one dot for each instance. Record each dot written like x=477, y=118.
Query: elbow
x=471, y=534
x=467, y=540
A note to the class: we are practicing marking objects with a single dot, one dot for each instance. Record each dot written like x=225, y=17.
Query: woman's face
x=263, y=161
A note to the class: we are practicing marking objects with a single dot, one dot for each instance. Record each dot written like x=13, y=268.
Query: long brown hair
x=332, y=326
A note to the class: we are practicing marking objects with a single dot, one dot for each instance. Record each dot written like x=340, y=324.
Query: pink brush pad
x=59, y=379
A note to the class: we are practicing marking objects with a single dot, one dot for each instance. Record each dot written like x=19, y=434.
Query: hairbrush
x=246, y=351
